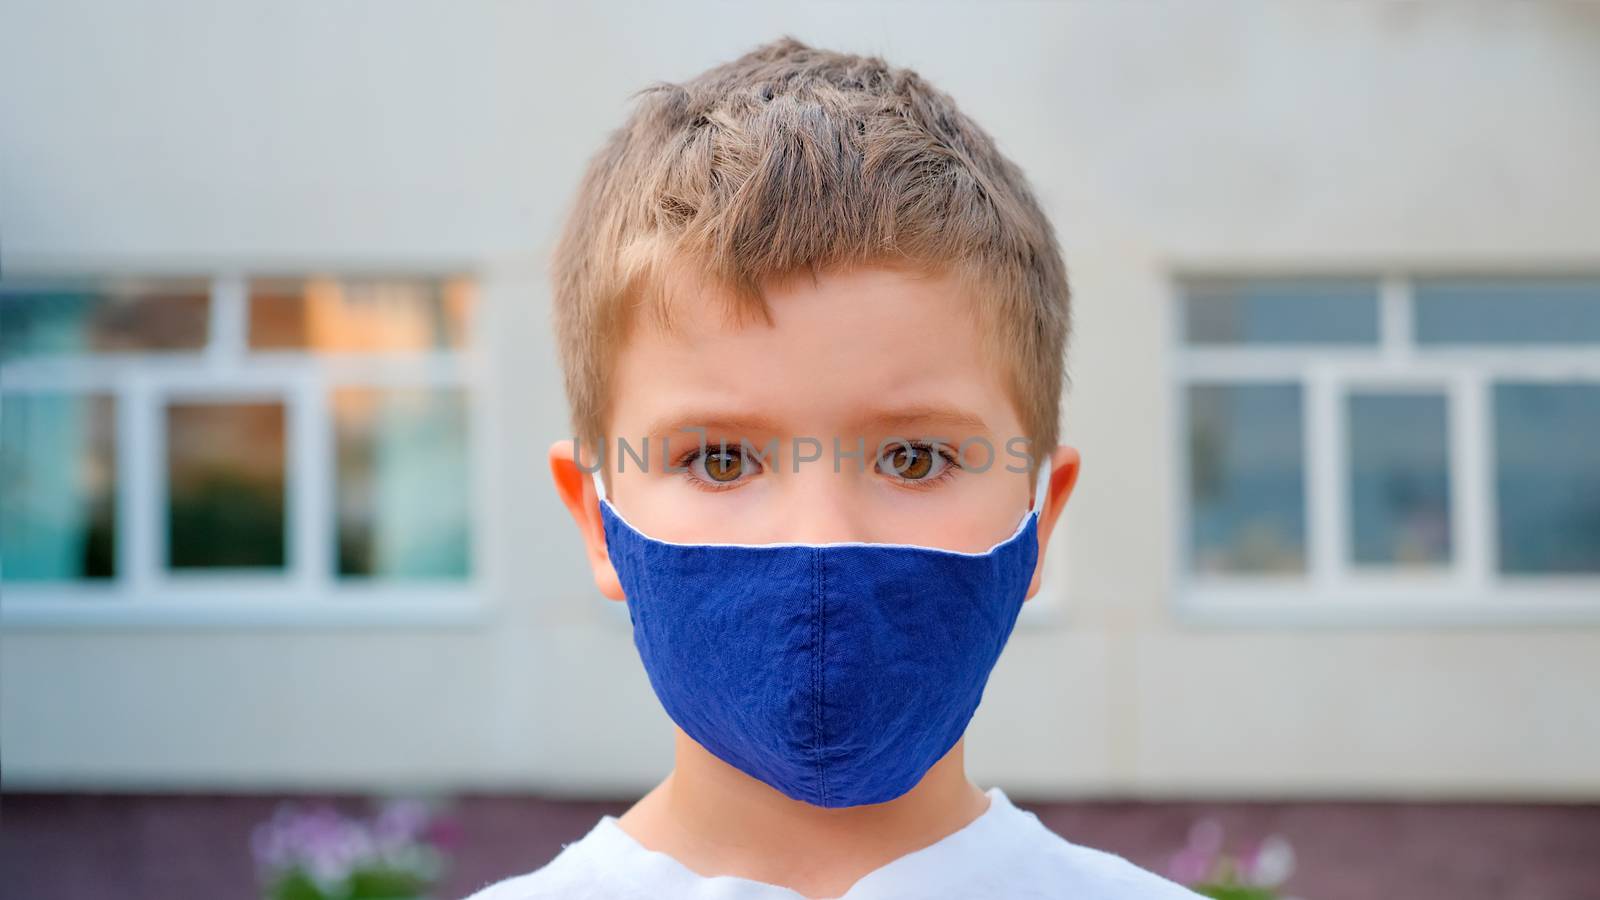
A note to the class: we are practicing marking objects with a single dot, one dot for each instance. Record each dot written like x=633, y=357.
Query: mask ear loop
x=1041, y=489
x=599, y=482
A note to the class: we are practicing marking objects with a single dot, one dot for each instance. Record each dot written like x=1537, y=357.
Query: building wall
x=1161, y=138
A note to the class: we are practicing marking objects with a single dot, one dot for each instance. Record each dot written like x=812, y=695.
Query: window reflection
x=225, y=475
x=1399, y=479
x=1246, y=478
x=1508, y=311
x=102, y=317
x=403, y=496
x=1547, y=477
x=57, y=487
x=343, y=316
x=1281, y=311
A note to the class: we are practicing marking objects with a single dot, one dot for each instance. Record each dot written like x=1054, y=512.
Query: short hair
x=792, y=159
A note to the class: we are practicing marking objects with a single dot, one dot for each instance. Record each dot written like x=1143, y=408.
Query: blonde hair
x=792, y=159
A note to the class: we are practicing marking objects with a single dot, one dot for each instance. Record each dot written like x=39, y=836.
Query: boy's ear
x=1064, y=465
x=576, y=488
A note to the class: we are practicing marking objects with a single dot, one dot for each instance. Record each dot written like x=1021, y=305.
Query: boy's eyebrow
x=714, y=421
x=921, y=416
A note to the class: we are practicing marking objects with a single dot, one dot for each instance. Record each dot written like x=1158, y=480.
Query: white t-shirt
x=1004, y=853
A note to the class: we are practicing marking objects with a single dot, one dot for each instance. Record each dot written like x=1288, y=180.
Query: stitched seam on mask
x=818, y=631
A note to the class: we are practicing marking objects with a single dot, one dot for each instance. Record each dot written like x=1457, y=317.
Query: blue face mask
x=838, y=673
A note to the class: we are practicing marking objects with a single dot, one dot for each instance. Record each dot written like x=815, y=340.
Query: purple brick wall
x=162, y=847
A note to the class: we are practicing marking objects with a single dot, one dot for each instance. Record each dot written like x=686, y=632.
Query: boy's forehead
x=833, y=348
x=859, y=308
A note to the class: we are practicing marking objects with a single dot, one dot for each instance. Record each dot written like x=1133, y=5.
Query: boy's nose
x=821, y=506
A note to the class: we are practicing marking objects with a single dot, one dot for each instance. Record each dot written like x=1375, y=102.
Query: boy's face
x=864, y=357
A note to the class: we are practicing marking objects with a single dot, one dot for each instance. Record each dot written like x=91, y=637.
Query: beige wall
x=1160, y=136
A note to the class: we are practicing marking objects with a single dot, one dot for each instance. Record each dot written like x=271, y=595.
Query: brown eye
x=720, y=465
x=910, y=462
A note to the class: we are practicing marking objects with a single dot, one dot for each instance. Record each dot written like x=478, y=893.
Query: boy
x=813, y=325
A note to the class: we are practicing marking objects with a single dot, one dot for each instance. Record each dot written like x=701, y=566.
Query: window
x=395, y=448
x=225, y=486
x=1547, y=476
x=1389, y=447
x=1399, y=478
x=57, y=468
x=1247, y=474
x=282, y=448
x=81, y=316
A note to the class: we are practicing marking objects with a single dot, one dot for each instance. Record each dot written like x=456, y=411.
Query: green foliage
x=1234, y=892
x=362, y=884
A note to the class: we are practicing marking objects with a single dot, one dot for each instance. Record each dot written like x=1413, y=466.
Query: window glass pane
x=102, y=317
x=1399, y=479
x=403, y=486
x=324, y=314
x=1246, y=478
x=57, y=487
x=225, y=476
x=1547, y=477
x=1508, y=311
x=1281, y=311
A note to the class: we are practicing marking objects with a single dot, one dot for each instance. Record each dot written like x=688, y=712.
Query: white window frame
x=143, y=592
x=1469, y=590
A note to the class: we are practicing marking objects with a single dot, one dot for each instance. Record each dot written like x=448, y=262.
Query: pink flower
x=1272, y=863
x=1195, y=862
